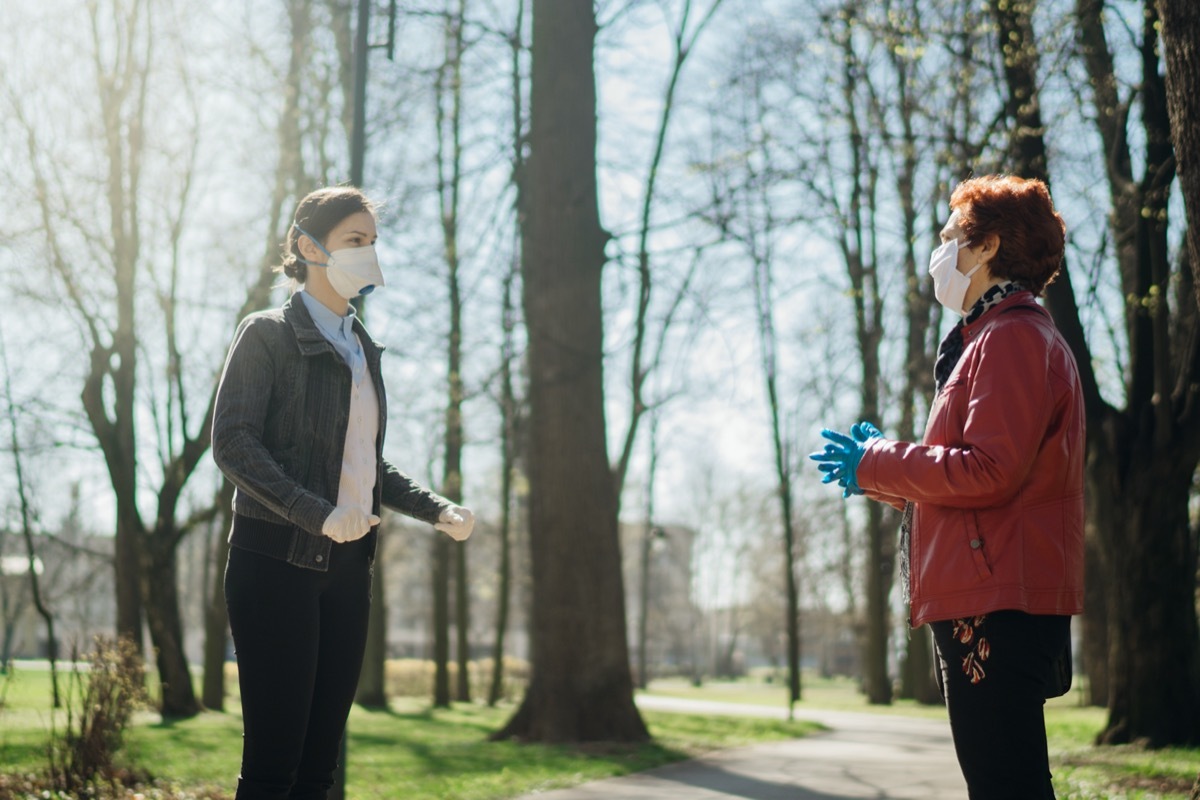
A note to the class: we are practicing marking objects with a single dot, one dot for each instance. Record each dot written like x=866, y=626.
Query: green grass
x=412, y=751
x=1081, y=770
x=839, y=694
x=409, y=751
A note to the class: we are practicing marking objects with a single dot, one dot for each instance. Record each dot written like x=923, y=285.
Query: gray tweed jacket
x=279, y=429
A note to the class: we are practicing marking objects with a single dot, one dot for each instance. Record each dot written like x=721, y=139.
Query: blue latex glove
x=839, y=460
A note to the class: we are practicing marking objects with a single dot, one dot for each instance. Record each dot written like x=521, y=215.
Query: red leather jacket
x=997, y=484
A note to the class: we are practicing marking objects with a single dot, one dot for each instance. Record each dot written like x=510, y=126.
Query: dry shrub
x=413, y=677
x=100, y=700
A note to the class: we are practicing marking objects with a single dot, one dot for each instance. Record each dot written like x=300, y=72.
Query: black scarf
x=950, y=350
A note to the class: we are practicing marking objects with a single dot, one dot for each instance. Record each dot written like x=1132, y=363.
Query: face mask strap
x=317, y=243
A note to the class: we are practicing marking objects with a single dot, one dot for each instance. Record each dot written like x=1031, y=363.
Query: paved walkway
x=876, y=756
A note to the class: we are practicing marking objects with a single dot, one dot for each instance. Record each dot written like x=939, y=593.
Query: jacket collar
x=309, y=337
x=1022, y=298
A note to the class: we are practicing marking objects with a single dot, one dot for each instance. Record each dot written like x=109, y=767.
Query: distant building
x=673, y=620
x=76, y=582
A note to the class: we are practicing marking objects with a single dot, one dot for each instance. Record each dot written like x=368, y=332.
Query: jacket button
x=319, y=559
x=975, y=544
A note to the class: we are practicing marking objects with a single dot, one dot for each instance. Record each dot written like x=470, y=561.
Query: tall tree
x=581, y=688
x=123, y=58
x=1142, y=458
x=1181, y=53
x=904, y=37
x=510, y=416
x=646, y=354
x=449, y=184
x=511, y=424
x=290, y=181
x=23, y=501
x=858, y=240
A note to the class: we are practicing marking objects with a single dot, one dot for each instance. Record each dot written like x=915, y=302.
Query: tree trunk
x=917, y=681
x=643, y=629
x=1181, y=51
x=126, y=574
x=216, y=615
x=581, y=688
x=649, y=533
x=372, y=680
x=449, y=171
x=1146, y=455
x=508, y=437
x=879, y=581
x=858, y=244
x=166, y=629
x=216, y=638
x=1154, y=668
x=508, y=404
x=441, y=620
x=27, y=534
x=1094, y=648
x=462, y=624
x=768, y=342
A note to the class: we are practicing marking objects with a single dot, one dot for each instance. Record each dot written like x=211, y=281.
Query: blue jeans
x=299, y=636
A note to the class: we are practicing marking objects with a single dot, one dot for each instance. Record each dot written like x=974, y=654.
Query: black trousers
x=995, y=670
x=299, y=636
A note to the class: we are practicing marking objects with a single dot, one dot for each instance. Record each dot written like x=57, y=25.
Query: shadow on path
x=713, y=778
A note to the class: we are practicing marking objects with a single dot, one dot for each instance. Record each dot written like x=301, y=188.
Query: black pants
x=299, y=636
x=995, y=671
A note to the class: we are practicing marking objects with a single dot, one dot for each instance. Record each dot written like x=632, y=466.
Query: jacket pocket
x=976, y=543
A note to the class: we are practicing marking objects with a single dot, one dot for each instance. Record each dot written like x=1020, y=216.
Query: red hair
x=1020, y=212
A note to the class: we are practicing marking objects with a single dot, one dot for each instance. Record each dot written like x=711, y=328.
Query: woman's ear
x=309, y=250
x=989, y=247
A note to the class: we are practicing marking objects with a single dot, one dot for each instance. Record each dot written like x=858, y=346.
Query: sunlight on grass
x=409, y=751
x=415, y=752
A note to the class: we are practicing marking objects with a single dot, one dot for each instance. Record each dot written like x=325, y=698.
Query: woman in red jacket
x=992, y=540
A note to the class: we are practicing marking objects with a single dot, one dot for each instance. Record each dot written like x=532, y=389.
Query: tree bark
x=1181, y=52
x=161, y=592
x=441, y=620
x=462, y=624
x=581, y=688
x=508, y=460
x=216, y=615
x=372, y=681
x=1154, y=673
x=1145, y=454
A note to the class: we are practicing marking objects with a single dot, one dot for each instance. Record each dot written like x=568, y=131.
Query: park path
x=878, y=756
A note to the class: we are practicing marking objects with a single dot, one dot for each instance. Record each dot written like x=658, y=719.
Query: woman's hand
x=839, y=460
x=456, y=522
x=348, y=523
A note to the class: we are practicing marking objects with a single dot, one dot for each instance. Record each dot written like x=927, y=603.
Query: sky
x=719, y=423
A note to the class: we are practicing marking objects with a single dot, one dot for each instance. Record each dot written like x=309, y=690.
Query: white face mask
x=949, y=285
x=351, y=270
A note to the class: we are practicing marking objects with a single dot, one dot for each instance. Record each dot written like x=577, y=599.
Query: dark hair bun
x=319, y=213
x=294, y=268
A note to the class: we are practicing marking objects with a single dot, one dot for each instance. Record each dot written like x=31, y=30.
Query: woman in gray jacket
x=299, y=428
